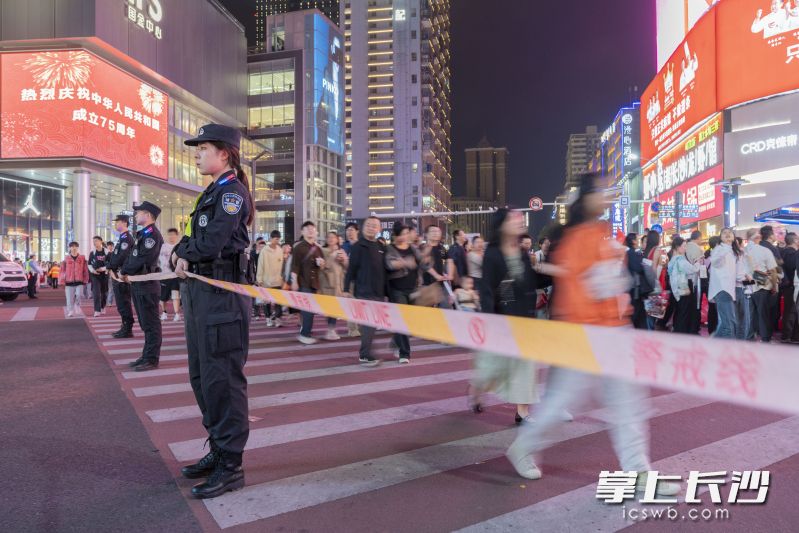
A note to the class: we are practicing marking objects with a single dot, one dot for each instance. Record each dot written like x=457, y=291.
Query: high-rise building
x=296, y=109
x=266, y=8
x=580, y=150
x=487, y=173
x=397, y=106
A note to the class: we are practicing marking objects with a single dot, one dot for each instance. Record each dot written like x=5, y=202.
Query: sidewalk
x=75, y=455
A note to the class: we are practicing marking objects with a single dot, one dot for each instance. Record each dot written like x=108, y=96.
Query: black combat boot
x=227, y=475
x=125, y=332
x=205, y=466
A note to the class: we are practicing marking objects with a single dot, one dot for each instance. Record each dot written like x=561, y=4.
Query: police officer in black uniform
x=217, y=322
x=144, y=260
x=122, y=250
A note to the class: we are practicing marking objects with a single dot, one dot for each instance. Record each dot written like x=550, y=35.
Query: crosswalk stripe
x=185, y=412
x=268, y=362
x=180, y=336
x=752, y=450
x=325, y=427
x=25, y=314
x=269, y=499
x=157, y=390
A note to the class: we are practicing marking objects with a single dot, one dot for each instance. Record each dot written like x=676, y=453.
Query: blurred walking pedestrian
x=589, y=289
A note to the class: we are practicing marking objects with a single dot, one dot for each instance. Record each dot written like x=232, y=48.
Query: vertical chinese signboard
x=758, y=44
x=74, y=104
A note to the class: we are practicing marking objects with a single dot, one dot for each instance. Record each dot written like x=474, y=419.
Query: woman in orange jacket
x=590, y=288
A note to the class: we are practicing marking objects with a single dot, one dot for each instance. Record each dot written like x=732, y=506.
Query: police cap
x=216, y=133
x=150, y=208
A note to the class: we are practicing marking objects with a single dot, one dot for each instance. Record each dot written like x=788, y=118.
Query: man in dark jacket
x=307, y=259
x=457, y=253
x=367, y=271
x=790, y=325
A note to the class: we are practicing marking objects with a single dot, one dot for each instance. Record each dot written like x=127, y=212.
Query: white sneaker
x=664, y=488
x=269, y=323
x=404, y=360
x=524, y=464
x=566, y=416
x=176, y=318
x=69, y=314
x=163, y=316
x=96, y=314
x=332, y=335
x=355, y=333
x=277, y=323
x=306, y=340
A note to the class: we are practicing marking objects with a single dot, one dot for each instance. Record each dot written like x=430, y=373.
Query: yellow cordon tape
x=752, y=374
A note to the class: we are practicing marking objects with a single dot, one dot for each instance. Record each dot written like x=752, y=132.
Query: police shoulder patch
x=203, y=221
x=231, y=203
x=124, y=246
x=149, y=242
x=135, y=253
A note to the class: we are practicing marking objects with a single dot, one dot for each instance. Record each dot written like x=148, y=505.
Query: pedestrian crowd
x=740, y=287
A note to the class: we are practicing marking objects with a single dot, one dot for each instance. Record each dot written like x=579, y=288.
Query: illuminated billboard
x=758, y=49
x=693, y=167
x=684, y=91
x=675, y=18
x=327, y=106
x=74, y=104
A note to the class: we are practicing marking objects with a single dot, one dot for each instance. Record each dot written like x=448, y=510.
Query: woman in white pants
x=590, y=289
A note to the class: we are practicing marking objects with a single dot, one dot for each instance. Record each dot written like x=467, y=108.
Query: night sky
x=527, y=73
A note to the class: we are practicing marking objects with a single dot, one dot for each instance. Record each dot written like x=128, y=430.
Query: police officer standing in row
x=217, y=322
x=144, y=260
x=119, y=256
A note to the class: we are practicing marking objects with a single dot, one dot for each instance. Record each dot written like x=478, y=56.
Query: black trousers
x=696, y=310
x=790, y=327
x=123, y=300
x=32, y=279
x=217, y=325
x=762, y=319
x=639, y=314
x=402, y=342
x=368, y=334
x=683, y=315
x=99, y=291
x=145, y=299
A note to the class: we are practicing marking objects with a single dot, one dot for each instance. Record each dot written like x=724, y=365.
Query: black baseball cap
x=123, y=217
x=216, y=133
x=149, y=207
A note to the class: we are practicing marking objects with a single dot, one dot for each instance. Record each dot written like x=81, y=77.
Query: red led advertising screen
x=758, y=44
x=694, y=166
x=684, y=91
x=74, y=104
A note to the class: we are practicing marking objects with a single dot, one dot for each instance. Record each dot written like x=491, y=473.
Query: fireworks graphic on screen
x=21, y=131
x=156, y=156
x=151, y=100
x=59, y=69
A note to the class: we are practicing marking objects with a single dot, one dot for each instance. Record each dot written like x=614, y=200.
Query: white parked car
x=12, y=279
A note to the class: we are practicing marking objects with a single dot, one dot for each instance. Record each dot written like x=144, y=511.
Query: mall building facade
x=295, y=99
x=97, y=97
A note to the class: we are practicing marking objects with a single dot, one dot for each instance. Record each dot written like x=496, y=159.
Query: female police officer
x=217, y=321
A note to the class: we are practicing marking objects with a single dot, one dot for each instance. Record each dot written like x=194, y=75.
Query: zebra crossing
x=395, y=448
